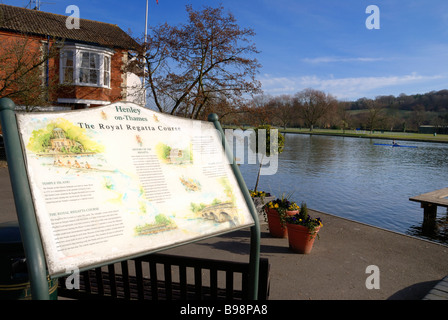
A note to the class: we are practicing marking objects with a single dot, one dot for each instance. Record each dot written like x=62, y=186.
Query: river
x=356, y=179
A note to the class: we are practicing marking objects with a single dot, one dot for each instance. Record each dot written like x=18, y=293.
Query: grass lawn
x=375, y=134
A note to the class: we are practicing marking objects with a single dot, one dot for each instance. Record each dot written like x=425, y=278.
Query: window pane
x=93, y=60
x=84, y=60
x=83, y=76
x=68, y=75
x=106, y=63
x=93, y=76
x=106, y=67
x=68, y=59
x=106, y=79
x=67, y=66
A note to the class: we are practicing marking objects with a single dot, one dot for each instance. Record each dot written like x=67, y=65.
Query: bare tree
x=260, y=111
x=375, y=113
x=343, y=115
x=225, y=109
x=25, y=70
x=189, y=66
x=418, y=116
x=283, y=109
x=314, y=105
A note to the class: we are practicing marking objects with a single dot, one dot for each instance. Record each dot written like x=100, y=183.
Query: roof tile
x=49, y=24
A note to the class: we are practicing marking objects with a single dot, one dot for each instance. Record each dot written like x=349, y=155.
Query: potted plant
x=260, y=198
x=292, y=209
x=302, y=230
x=276, y=212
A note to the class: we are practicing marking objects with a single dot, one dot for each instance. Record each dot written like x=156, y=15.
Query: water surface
x=356, y=179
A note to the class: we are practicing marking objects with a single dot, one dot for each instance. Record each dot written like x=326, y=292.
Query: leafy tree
x=162, y=219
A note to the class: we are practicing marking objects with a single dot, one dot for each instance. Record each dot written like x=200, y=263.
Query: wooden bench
x=430, y=201
x=169, y=277
x=439, y=292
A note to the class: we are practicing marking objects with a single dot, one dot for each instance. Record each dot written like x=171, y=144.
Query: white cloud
x=342, y=88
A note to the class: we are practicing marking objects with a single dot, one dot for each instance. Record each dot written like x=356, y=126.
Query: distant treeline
x=312, y=108
x=434, y=101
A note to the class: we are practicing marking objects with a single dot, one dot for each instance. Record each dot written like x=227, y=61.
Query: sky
x=340, y=47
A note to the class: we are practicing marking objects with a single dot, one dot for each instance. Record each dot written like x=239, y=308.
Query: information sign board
x=121, y=180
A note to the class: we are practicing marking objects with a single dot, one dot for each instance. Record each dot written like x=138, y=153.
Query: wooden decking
x=438, y=197
x=430, y=201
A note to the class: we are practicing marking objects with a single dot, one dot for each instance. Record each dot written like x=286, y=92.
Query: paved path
x=336, y=268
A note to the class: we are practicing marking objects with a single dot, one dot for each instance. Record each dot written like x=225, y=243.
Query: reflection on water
x=437, y=231
x=355, y=179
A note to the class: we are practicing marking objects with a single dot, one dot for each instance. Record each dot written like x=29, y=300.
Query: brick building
x=89, y=65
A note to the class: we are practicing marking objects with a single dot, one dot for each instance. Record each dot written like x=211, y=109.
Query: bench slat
x=126, y=287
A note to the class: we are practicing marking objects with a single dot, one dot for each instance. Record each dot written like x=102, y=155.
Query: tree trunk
x=258, y=176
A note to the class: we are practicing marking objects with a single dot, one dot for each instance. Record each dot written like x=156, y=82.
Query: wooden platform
x=438, y=197
x=430, y=201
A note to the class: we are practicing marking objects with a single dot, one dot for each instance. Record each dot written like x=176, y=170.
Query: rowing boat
x=393, y=145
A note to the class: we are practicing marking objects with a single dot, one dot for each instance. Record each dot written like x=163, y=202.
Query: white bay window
x=85, y=65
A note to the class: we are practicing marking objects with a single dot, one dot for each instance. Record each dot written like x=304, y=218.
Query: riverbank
x=386, y=135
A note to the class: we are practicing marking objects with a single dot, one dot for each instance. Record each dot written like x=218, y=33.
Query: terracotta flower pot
x=275, y=227
x=292, y=212
x=300, y=239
